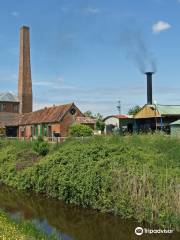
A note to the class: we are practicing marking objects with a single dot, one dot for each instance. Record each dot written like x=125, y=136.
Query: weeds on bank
x=134, y=176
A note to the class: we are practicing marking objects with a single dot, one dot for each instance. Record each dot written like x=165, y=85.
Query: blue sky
x=78, y=52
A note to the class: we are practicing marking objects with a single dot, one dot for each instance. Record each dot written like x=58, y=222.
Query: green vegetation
x=41, y=147
x=20, y=230
x=79, y=130
x=134, y=110
x=100, y=125
x=134, y=176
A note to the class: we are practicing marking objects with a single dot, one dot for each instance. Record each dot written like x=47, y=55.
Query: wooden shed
x=156, y=117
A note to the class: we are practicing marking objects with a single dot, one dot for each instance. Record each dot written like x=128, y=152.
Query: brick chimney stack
x=24, y=82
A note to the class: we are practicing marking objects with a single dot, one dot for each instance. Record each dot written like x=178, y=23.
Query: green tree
x=88, y=114
x=99, y=116
x=100, y=125
x=79, y=130
x=134, y=110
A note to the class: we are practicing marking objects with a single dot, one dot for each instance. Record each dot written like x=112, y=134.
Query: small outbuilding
x=121, y=121
x=88, y=121
x=175, y=128
x=156, y=117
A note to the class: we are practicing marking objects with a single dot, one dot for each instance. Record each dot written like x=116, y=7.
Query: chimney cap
x=24, y=27
x=149, y=73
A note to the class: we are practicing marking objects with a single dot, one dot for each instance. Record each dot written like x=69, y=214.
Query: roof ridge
x=54, y=106
x=167, y=104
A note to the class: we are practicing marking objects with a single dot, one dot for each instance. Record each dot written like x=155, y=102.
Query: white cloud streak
x=160, y=26
x=15, y=14
x=91, y=10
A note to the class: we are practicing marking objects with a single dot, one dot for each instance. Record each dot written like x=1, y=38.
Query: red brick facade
x=47, y=122
x=25, y=84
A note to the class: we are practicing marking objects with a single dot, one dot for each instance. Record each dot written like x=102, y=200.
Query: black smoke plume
x=137, y=50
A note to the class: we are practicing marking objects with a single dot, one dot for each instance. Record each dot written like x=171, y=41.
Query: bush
x=100, y=125
x=134, y=176
x=78, y=130
x=41, y=147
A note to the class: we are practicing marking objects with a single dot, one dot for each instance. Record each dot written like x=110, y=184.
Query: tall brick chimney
x=24, y=82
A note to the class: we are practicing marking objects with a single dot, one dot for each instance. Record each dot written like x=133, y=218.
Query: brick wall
x=55, y=127
x=25, y=83
x=68, y=120
x=12, y=107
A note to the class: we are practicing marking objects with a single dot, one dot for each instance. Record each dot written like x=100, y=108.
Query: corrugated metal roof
x=8, y=97
x=46, y=115
x=85, y=120
x=158, y=110
x=175, y=123
x=168, y=109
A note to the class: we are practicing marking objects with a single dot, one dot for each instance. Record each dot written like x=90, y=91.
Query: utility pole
x=155, y=104
x=119, y=107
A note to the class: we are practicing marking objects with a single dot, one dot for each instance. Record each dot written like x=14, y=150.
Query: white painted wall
x=111, y=121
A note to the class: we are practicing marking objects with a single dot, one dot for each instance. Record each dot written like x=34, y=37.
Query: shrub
x=41, y=147
x=100, y=125
x=134, y=176
x=78, y=130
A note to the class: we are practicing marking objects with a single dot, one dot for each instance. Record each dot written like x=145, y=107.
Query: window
x=2, y=107
x=72, y=111
x=15, y=108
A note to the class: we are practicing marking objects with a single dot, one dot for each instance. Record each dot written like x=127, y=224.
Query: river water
x=68, y=221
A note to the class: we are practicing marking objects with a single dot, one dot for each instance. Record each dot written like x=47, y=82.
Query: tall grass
x=20, y=230
x=134, y=176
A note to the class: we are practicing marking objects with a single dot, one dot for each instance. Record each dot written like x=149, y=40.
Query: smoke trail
x=137, y=50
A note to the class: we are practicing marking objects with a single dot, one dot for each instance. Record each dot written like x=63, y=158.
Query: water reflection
x=71, y=222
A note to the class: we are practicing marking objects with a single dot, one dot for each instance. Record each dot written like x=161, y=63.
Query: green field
x=134, y=176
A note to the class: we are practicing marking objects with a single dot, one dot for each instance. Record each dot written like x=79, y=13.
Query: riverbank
x=134, y=177
x=20, y=230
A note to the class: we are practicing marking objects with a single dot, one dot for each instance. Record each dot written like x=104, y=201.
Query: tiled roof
x=8, y=97
x=46, y=115
x=1, y=125
x=7, y=116
x=85, y=120
x=119, y=116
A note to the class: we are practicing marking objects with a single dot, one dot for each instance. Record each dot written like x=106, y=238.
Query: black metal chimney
x=149, y=87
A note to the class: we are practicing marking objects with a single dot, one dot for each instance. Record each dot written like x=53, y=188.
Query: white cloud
x=53, y=82
x=92, y=10
x=160, y=26
x=60, y=79
x=15, y=13
x=42, y=83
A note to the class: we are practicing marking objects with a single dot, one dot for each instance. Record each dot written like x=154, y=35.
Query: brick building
x=10, y=104
x=16, y=116
x=48, y=122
